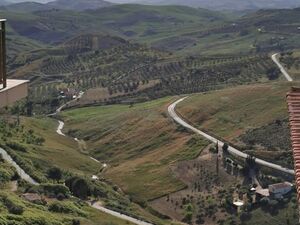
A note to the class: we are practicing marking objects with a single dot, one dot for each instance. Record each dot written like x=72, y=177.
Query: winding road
x=19, y=170
x=231, y=150
x=282, y=69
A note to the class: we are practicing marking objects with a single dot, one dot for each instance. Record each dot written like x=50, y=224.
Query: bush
x=12, y=207
x=79, y=187
x=16, y=209
x=54, y=173
x=63, y=207
x=60, y=196
x=51, y=190
x=5, y=175
x=75, y=222
x=16, y=146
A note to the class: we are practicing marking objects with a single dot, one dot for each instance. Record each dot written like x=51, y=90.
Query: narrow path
x=282, y=69
x=231, y=150
x=98, y=206
x=19, y=170
x=61, y=125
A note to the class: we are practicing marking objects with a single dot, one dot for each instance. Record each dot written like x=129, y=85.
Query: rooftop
x=281, y=185
x=11, y=83
x=263, y=192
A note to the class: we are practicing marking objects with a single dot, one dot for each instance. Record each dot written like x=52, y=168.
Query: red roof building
x=293, y=100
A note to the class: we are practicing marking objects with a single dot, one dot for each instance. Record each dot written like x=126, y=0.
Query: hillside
x=38, y=148
x=150, y=155
x=78, y=5
x=232, y=5
x=179, y=29
x=291, y=61
x=96, y=64
x=2, y=2
x=126, y=20
x=25, y=7
x=139, y=143
x=245, y=116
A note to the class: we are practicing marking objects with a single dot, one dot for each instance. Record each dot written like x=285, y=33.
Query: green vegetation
x=140, y=143
x=249, y=114
x=113, y=70
x=143, y=53
x=16, y=210
x=36, y=157
x=291, y=61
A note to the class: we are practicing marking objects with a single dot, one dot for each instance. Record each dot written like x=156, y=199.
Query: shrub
x=54, y=173
x=12, y=207
x=5, y=175
x=75, y=222
x=79, y=187
x=16, y=209
x=16, y=146
x=51, y=190
x=63, y=207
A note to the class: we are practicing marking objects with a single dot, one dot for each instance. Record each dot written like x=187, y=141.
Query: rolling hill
x=179, y=29
x=25, y=7
x=78, y=5
x=132, y=21
x=231, y=5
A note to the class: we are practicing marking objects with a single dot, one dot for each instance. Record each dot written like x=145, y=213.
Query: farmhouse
x=280, y=189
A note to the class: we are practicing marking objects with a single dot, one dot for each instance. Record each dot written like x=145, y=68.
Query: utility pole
x=2, y=53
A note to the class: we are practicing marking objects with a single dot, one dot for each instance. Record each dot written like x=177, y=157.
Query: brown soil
x=203, y=184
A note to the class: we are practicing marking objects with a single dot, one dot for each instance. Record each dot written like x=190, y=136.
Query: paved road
x=282, y=69
x=19, y=170
x=231, y=150
x=98, y=206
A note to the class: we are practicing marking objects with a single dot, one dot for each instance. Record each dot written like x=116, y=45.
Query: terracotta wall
x=11, y=95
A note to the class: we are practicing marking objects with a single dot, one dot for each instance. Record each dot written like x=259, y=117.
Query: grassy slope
x=33, y=212
x=57, y=150
x=231, y=113
x=139, y=144
x=63, y=152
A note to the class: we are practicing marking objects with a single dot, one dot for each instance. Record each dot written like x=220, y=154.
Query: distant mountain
x=3, y=2
x=74, y=5
x=26, y=7
x=222, y=4
x=78, y=5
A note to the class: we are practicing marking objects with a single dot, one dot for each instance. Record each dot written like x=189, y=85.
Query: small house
x=280, y=189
